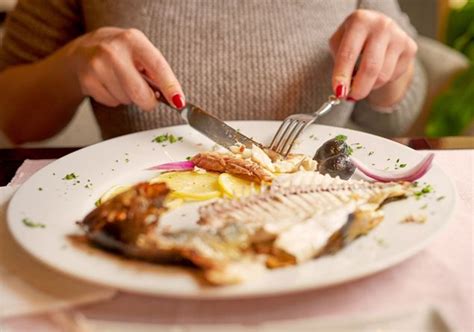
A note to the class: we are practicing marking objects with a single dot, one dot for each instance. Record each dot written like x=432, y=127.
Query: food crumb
x=415, y=219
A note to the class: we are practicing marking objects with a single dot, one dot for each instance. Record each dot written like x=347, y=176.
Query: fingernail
x=341, y=91
x=352, y=100
x=178, y=101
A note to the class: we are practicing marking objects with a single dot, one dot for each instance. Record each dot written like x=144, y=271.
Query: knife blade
x=207, y=124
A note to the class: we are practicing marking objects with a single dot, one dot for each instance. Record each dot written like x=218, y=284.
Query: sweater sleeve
x=35, y=29
x=397, y=119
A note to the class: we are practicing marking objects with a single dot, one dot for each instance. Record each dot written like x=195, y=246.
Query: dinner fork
x=295, y=124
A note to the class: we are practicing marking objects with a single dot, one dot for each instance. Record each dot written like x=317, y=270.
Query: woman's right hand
x=109, y=62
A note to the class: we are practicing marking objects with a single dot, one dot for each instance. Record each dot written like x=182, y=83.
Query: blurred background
x=446, y=49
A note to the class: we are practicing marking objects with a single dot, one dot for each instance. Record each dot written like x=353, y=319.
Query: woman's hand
x=109, y=62
x=385, y=55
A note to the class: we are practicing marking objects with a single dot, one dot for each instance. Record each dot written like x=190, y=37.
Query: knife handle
x=155, y=88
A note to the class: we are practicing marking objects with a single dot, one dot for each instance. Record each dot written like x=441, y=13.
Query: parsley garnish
x=70, y=176
x=160, y=139
x=27, y=222
x=172, y=139
x=167, y=138
x=371, y=153
x=188, y=158
x=402, y=165
x=425, y=190
x=97, y=202
x=341, y=138
x=350, y=150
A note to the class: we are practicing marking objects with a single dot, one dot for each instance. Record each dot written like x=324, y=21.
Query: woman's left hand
x=385, y=54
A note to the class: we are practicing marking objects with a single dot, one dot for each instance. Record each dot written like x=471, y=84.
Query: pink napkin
x=439, y=276
x=28, y=168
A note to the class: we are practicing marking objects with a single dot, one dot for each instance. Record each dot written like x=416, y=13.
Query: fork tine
x=284, y=137
x=281, y=133
x=292, y=139
x=275, y=140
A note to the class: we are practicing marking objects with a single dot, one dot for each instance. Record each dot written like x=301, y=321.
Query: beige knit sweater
x=238, y=59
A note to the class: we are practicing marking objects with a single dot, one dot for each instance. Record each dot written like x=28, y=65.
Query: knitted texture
x=238, y=59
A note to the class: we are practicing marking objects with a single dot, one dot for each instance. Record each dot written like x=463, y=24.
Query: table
x=390, y=283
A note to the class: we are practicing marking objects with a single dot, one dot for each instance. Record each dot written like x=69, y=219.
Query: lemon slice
x=191, y=186
x=112, y=192
x=234, y=187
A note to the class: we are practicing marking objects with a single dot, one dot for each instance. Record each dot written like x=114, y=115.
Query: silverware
x=295, y=124
x=206, y=123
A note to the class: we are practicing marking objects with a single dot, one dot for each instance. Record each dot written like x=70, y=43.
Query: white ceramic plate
x=57, y=203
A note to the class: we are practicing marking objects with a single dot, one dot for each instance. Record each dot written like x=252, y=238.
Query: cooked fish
x=228, y=163
x=253, y=164
x=300, y=217
x=296, y=221
x=127, y=223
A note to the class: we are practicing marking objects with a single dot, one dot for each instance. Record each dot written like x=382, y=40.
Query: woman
x=239, y=59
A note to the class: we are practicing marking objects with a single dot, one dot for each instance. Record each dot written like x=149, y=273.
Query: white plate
x=123, y=160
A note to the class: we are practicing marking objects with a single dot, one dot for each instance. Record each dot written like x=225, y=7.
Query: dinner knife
x=207, y=124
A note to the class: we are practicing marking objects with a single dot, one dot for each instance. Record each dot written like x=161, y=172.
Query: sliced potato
x=191, y=186
x=234, y=187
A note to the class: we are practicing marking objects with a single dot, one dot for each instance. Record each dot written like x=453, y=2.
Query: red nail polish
x=352, y=100
x=340, y=91
x=178, y=101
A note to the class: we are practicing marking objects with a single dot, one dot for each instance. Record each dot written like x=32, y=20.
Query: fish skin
x=244, y=168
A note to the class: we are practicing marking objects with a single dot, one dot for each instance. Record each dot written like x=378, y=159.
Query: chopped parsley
x=440, y=198
x=371, y=153
x=398, y=160
x=188, y=158
x=97, y=202
x=70, y=176
x=350, y=150
x=27, y=222
x=341, y=138
x=358, y=146
x=381, y=242
x=40, y=189
x=160, y=138
x=402, y=165
x=425, y=190
x=167, y=138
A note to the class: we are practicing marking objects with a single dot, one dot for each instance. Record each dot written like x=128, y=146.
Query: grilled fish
x=301, y=216
x=305, y=214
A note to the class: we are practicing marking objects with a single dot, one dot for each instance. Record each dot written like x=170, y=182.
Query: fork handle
x=326, y=107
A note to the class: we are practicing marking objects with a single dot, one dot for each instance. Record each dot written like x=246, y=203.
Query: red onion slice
x=174, y=166
x=411, y=174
